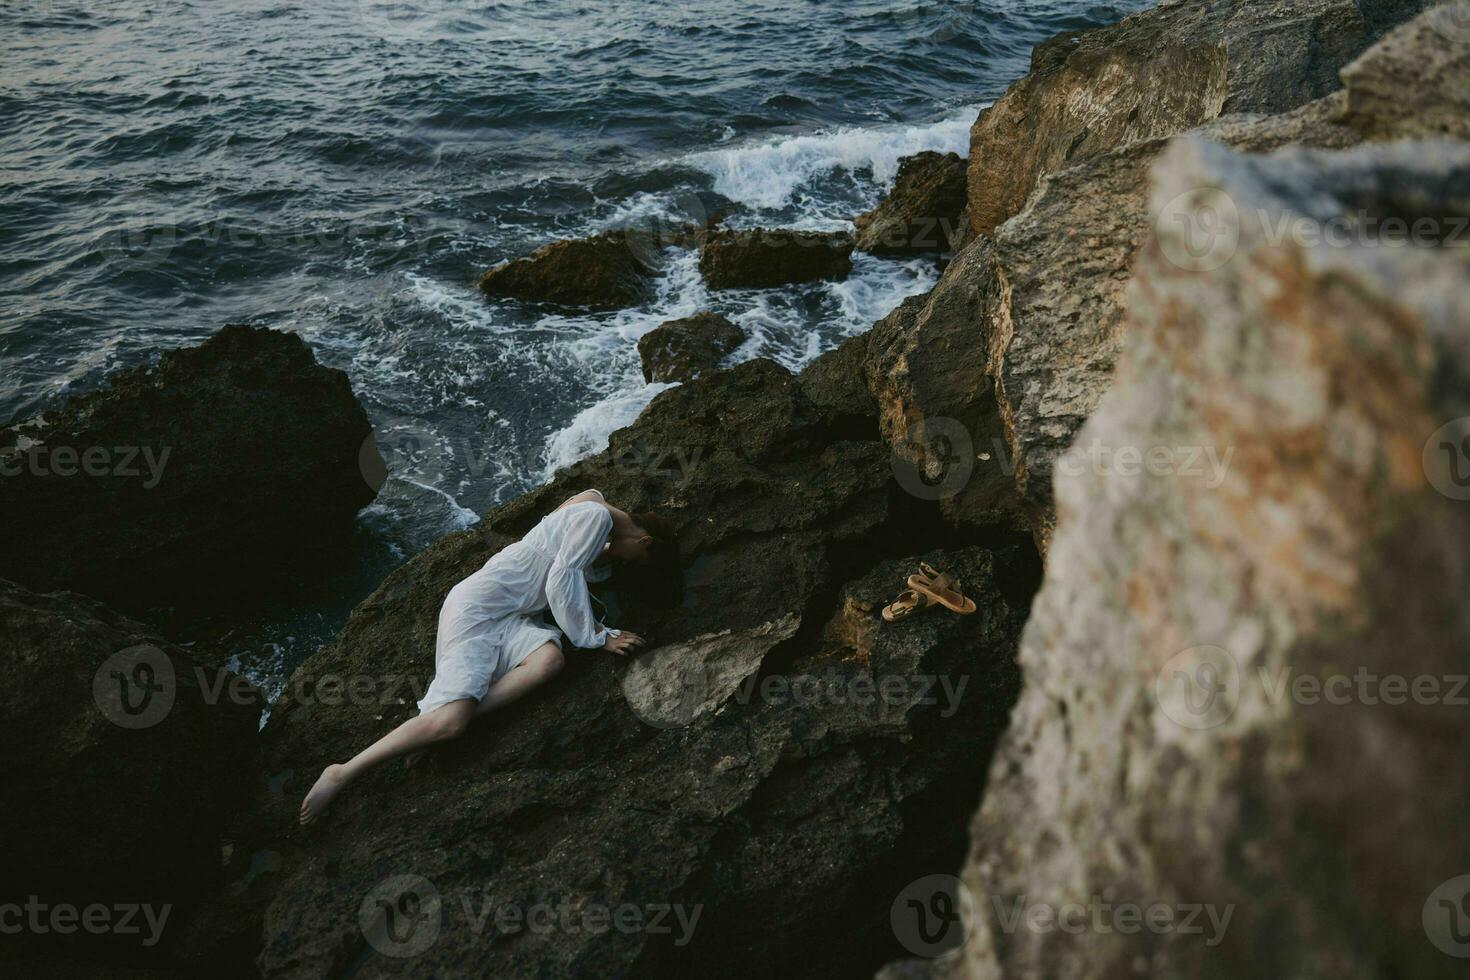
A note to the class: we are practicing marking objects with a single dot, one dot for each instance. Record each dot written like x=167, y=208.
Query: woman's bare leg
x=441, y=724
x=544, y=663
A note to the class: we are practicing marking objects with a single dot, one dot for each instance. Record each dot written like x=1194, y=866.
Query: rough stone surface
x=1155, y=756
x=682, y=350
x=1159, y=73
x=111, y=796
x=764, y=257
x=607, y=271
x=1426, y=59
x=261, y=479
x=922, y=211
x=1042, y=301
x=790, y=821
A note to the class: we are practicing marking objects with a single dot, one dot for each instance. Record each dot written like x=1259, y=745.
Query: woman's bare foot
x=327, y=785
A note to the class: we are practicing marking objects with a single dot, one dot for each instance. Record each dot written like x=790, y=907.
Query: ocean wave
x=767, y=174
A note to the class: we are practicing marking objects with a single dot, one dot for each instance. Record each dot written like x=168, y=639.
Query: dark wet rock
x=922, y=211
x=113, y=794
x=1159, y=73
x=1163, y=751
x=607, y=271
x=694, y=776
x=837, y=383
x=765, y=257
x=224, y=471
x=682, y=350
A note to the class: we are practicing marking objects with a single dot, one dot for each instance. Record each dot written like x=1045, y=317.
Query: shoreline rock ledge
x=221, y=472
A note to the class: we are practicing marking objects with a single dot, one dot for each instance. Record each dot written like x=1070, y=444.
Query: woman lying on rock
x=492, y=647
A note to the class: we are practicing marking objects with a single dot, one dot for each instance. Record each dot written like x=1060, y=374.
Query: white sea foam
x=767, y=174
x=588, y=432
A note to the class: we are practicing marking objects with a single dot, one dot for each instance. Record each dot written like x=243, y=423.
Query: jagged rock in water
x=784, y=818
x=682, y=350
x=124, y=757
x=765, y=257
x=607, y=271
x=1159, y=73
x=222, y=471
x=922, y=212
x=1195, y=729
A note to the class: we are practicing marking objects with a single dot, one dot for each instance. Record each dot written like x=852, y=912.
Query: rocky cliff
x=222, y=471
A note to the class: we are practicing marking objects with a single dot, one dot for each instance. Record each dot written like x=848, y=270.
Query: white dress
x=491, y=621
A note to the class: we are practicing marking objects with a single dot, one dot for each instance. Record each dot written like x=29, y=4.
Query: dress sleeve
x=584, y=531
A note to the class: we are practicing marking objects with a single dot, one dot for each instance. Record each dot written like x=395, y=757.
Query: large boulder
x=607, y=271
x=1416, y=83
x=684, y=349
x=1037, y=308
x=766, y=257
x=1238, y=751
x=224, y=470
x=1159, y=73
x=124, y=758
x=922, y=211
x=727, y=773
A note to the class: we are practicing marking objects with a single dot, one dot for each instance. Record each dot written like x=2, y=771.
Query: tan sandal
x=942, y=589
x=907, y=603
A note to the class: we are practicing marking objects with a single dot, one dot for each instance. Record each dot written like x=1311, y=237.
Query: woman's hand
x=623, y=644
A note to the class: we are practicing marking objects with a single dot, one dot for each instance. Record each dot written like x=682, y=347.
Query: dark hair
x=661, y=580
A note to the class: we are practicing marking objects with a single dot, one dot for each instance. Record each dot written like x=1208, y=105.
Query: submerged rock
x=682, y=350
x=221, y=472
x=765, y=257
x=1195, y=730
x=728, y=773
x=1159, y=73
x=607, y=271
x=922, y=213
x=124, y=759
